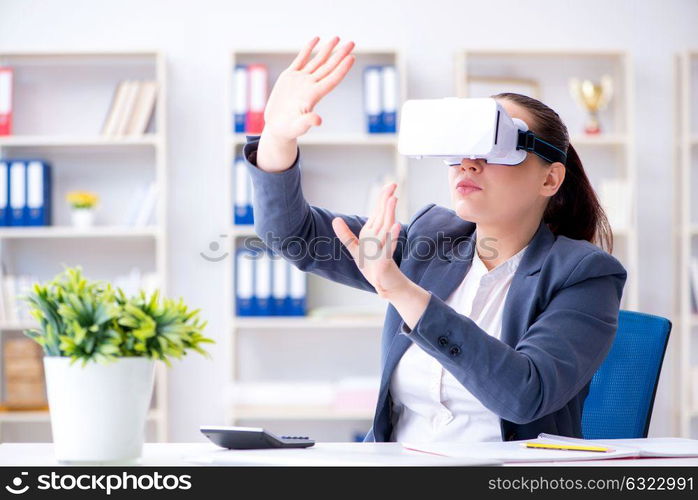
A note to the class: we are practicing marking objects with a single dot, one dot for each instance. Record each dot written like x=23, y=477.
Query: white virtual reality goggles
x=454, y=128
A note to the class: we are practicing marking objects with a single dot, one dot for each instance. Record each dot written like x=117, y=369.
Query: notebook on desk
x=516, y=451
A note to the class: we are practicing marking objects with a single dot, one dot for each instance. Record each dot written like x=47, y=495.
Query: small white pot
x=98, y=412
x=82, y=217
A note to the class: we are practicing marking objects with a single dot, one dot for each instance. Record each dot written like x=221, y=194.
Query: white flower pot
x=82, y=217
x=98, y=412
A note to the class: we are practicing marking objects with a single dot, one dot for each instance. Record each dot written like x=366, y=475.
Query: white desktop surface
x=322, y=454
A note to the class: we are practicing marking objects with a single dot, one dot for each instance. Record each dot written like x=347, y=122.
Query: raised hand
x=373, y=249
x=289, y=110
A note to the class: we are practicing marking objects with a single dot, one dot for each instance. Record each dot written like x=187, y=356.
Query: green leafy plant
x=90, y=320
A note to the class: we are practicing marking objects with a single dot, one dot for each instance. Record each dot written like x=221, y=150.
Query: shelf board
x=241, y=230
x=78, y=140
x=44, y=416
x=598, y=140
x=303, y=323
x=329, y=139
x=16, y=326
x=72, y=232
x=298, y=413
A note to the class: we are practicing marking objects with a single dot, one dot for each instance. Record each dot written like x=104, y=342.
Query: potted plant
x=100, y=349
x=82, y=208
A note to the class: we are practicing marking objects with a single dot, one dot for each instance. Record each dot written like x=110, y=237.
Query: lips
x=467, y=186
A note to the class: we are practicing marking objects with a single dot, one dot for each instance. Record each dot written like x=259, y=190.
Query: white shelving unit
x=686, y=237
x=339, y=153
x=61, y=100
x=610, y=154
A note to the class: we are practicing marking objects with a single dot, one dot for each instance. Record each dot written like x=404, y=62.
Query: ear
x=553, y=179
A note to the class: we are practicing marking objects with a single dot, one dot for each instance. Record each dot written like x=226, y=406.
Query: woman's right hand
x=289, y=110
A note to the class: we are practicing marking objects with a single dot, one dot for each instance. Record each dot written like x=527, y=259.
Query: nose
x=473, y=165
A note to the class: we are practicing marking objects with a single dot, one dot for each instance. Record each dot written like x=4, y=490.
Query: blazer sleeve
x=554, y=359
x=303, y=233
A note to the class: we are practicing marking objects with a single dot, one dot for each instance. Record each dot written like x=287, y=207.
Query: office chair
x=621, y=395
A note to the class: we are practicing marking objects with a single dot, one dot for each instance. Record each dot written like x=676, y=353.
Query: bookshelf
x=339, y=153
x=607, y=156
x=686, y=241
x=61, y=100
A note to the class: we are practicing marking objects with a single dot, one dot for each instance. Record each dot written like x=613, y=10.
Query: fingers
x=303, y=56
x=321, y=56
x=346, y=236
x=388, y=218
x=333, y=79
x=394, y=236
x=332, y=63
x=376, y=221
x=372, y=216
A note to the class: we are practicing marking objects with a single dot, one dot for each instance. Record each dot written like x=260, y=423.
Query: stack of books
x=131, y=109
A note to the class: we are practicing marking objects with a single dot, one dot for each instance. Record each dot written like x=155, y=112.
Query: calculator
x=250, y=438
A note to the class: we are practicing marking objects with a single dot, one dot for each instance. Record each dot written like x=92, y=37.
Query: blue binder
x=38, y=181
x=242, y=189
x=244, y=282
x=389, y=100
x=18, y=193
x=297, y=291
x=262, y=283
x=372, y=99
x=4, y=193
x=281, y=302
x=240, y=98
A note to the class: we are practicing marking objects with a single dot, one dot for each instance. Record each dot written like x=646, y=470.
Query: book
x=240, y=101
x=372, y=98
x=145, y=215
x=109, y=127
x=142, y=109
x=516, y=451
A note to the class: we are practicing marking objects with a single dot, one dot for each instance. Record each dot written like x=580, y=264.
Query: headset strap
x=534, y=144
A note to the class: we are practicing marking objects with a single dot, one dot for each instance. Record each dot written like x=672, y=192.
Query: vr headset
x=454, y=128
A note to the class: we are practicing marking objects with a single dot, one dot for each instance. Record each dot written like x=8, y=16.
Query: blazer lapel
x=443, y=275
x=518, y=303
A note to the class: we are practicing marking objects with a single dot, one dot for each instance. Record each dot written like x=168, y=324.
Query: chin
x=466, y=211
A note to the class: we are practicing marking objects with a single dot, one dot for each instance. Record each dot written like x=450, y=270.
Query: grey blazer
x=560, y=314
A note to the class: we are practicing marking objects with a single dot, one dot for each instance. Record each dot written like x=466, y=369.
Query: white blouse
x=429, y=404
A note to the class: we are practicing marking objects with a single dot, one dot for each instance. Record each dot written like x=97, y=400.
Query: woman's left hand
x=373, y=253
x=373, y=249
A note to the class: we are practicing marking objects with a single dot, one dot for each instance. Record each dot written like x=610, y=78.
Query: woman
x=497, y=330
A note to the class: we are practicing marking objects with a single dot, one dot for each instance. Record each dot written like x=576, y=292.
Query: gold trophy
x=593, y=97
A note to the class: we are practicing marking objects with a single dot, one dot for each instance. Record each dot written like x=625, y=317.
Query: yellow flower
x=82, y=199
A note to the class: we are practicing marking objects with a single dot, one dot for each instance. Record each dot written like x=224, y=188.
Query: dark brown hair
x=574, y=211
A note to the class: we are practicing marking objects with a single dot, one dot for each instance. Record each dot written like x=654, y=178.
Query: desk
x=322, y=454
